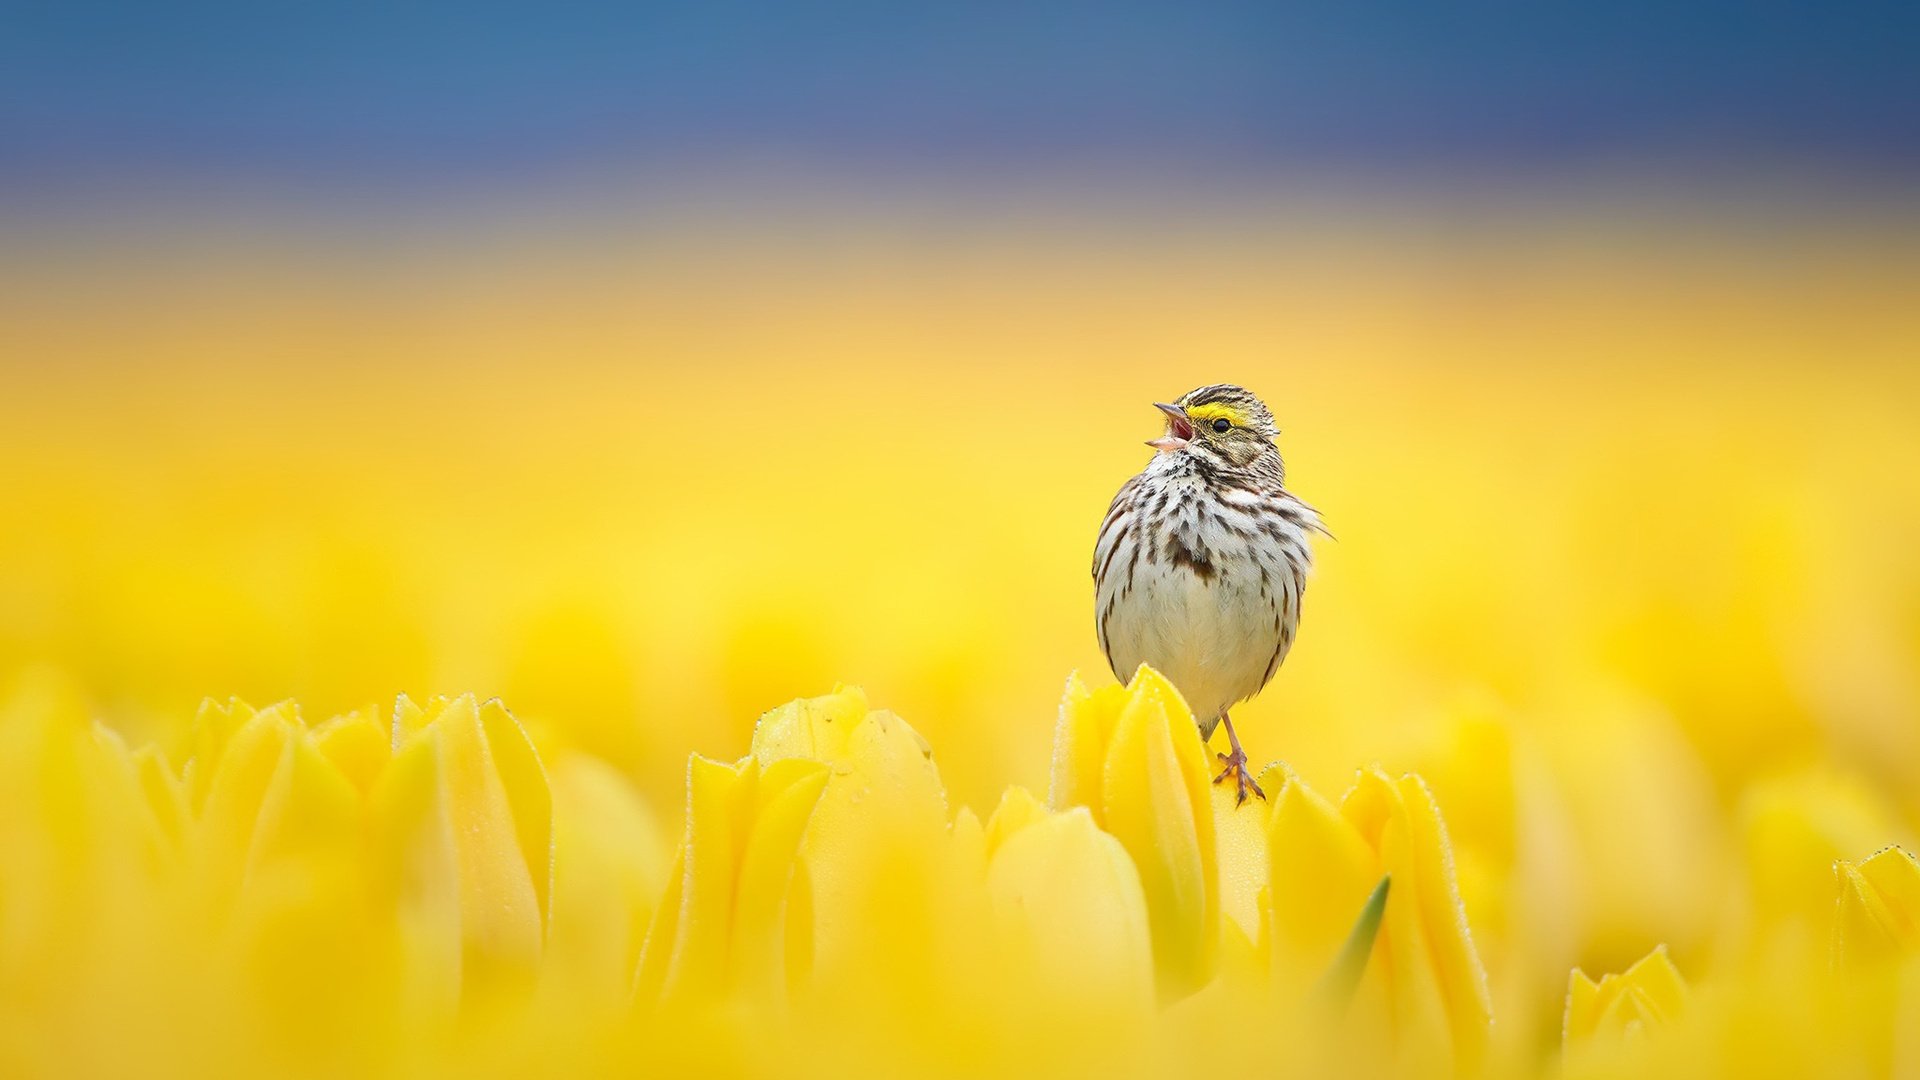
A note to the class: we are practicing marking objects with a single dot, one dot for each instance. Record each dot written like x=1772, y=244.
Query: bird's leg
x=1236, y=766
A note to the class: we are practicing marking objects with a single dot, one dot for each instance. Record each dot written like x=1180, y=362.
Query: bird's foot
x=1236, y=767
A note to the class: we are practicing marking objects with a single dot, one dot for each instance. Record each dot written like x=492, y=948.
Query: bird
x=1202, y=560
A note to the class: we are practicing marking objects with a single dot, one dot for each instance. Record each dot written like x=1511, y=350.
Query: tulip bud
x=735, y=916
x=1877, y=915
x=1133, y=757
x=1624, y=1008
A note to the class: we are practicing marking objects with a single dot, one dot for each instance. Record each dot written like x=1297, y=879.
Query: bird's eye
x=1222, y=424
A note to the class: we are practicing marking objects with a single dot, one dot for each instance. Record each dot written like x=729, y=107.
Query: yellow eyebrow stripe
x=1213, y=410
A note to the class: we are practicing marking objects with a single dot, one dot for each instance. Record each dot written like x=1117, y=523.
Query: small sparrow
x=1202, y=560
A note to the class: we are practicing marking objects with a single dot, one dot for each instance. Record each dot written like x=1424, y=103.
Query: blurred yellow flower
x=1626, y=1007
x=737, y=916
x=880, y=821
x=611, y=859
x=899, y=917
x=1877, y=914
x=1068, y=906
x=1132, y=756
x=1428, y=987
x=428, y=875
x=462, y=833
x=1795, y=828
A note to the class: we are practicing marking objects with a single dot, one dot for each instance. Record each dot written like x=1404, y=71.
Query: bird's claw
x=1236, y=767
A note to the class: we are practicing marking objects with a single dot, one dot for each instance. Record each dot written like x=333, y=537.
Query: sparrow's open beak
x=1179, y=429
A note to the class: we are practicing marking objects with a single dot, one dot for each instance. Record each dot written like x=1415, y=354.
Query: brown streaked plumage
x=1202, y=560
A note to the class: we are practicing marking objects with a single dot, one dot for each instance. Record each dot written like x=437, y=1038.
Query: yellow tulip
x=1623, y=1008
x=1133, y=757
x=262, y=793
x=1425, y=982
x=736, y=918
x=1649, y=858
x=1514, y=856
x=610, y=865
x=410, y=858
x=166, y=794
x=359, y=744
x=883, y=786
x=1068, y=905
x=84, y=946
x=1017, y=809
x=1321, y=871
x=461, y=821
x=878, y=838
x=1877, y=915
x=1795, y=828
x=76, y=812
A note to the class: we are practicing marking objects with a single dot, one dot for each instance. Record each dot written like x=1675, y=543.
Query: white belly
x=1214, y=639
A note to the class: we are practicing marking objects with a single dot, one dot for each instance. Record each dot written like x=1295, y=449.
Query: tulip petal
x=1877, y=915
x=879, y=834
x=1157, y=801
x=1081, y=735
x=722, y=927
x=1437, y=988
x=1068, y=898
x=358, y=744
x=610, y=867
x=1018, y=809
x=1321, y=871
x=1240, y=831
x=1647, y=997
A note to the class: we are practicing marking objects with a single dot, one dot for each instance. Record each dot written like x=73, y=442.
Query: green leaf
x=1338, y=984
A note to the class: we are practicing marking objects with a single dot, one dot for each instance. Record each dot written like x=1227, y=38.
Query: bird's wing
x=1116, y=512
x=1298, y=511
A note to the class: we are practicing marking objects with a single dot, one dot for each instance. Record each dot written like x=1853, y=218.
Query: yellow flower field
x=662, y=645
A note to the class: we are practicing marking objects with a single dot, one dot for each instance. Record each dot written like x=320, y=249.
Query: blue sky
x=368, y=92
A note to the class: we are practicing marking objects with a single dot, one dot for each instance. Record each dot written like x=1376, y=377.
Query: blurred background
x=649, y=367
